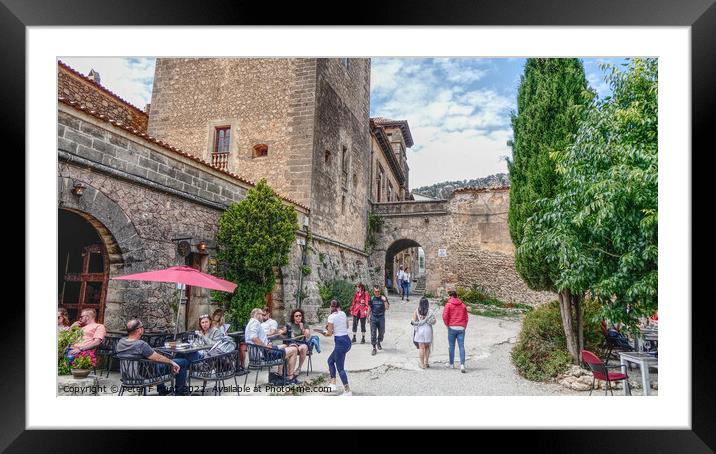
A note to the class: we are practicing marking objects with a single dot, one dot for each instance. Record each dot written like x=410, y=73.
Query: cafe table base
x=643, y=360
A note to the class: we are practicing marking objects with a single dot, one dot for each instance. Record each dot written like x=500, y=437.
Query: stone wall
x=339, y=201
x=73, y=86
x=471, y=230
x=265, y=101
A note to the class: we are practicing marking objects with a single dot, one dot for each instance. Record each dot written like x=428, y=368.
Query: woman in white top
x=423, y=330
x=338, y=327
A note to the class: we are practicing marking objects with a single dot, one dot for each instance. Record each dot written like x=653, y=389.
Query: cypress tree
x=550, y=104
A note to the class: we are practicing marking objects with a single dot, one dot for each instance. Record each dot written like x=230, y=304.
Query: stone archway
x=400, y=246
x=119, y=240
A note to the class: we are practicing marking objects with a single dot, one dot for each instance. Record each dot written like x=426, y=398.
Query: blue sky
x=458, y=109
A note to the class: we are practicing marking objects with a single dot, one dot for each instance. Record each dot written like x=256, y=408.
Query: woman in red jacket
x=455, y=318
x=359, y=310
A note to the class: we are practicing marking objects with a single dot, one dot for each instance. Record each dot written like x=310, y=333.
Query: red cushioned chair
x=600, y=371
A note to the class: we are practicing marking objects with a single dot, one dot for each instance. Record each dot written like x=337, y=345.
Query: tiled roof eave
x=101, y=88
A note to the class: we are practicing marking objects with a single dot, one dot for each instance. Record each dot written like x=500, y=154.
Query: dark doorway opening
x=83, y=266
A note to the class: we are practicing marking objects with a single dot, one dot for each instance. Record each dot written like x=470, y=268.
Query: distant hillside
x=444, y=189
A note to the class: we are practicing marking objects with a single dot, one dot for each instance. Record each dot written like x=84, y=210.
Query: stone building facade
x=466, y=241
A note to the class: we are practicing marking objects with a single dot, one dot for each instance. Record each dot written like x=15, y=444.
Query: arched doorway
x=405, y=253
x=83, y=266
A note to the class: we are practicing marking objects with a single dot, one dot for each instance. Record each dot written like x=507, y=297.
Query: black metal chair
x=309, y=353
x=613, y=343
x=157, y=340
x=239, y=369
x=106, y=350
x=142, y=373
x=261, y=357
x=216, y=368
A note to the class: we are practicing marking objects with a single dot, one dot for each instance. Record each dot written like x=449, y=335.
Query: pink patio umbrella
x=181, y=275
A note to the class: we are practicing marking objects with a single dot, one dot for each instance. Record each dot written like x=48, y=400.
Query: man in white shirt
x=406, y=285
x=399, y=280
x=255, y=334
x=269, y=325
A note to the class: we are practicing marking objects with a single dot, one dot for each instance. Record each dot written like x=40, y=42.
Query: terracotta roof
x=402, y=124
x=479, y=189
x=102, y=88
x=165, y=145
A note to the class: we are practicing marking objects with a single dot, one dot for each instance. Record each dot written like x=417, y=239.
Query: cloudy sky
x=458, y=109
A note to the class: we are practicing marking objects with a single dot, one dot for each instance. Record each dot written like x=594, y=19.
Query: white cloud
x=596, y=81
x=129, y=78
x=460, y=128
x=457, y=156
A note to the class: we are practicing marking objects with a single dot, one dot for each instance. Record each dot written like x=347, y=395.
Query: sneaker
x=462, y=368
x=452, y=366
x=379, y=346
x=333, y=387
x=374, y=351
x=347, y=393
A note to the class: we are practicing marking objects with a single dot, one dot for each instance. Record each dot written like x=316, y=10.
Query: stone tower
x=301, y=123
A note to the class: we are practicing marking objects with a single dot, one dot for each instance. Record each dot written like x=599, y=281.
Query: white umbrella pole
x=180, y=289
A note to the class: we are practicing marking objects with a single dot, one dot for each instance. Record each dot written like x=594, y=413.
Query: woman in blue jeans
x=338, y=327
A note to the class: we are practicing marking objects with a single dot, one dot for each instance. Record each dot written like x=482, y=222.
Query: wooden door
x=87, y=288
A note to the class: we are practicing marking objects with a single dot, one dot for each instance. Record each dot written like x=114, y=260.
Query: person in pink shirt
x=93, y=332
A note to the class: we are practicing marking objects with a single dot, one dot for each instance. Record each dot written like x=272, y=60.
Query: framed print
x=346, y=129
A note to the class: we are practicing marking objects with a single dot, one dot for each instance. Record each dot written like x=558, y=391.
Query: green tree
x=603, y=227
x=551, y=102
x=255, y=236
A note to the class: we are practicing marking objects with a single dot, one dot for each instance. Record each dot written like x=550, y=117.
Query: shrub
x=255, y=237
x=339, y=289
x=541, y=350
x=64, y=340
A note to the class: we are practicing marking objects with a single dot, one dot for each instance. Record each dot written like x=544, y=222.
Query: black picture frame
x=700, y=15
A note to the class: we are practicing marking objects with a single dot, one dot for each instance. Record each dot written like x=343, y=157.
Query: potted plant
x=83, y=363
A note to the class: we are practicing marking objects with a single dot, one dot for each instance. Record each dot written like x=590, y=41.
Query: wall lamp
x=202, y=246
x=78, y=189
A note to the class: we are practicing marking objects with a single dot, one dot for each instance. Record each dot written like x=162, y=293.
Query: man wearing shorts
x=255, y=334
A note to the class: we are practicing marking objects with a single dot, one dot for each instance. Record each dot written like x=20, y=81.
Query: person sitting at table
x=63, y=322
x=212, y=336
x=301, y=331
x=218, y=320
x=133, y=347
x=93, y=333
x=270, y=325
x=255, y=334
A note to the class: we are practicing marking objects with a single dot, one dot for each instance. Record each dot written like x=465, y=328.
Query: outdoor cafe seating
x=600, y=371
x=216, y=368
x=142, y=373
x=261, y=357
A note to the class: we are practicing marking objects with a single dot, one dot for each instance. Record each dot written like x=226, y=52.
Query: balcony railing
x=220, y=160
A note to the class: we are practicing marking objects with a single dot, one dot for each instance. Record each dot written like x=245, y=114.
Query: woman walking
x=359, y=311
x=423, y=331
x=455, y=318
x=338, y=327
